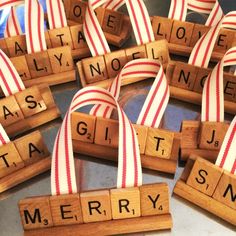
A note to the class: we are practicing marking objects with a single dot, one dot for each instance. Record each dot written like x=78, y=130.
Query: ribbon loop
x=4, y=139
x=178, y=10
x=13, y=26
x=227, y=155
x=129, y=165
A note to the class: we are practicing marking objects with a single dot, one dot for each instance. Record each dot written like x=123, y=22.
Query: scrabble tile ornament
x=129, y=208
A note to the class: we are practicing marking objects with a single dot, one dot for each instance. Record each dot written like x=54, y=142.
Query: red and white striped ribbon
x=178, y=10
x=10, y=81
x=213, y=91
x=34, y=26
x=4, y=139
x=56, y=14
x=93, y=33
x=140, y=21
x=114, y=4
x=215, y=16
x=227, y=155
x=63, y=180
x=201, y=53
x=13, y=26
x=157, y=99
x=9, y=3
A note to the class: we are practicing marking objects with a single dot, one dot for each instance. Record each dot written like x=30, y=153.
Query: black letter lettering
x=158, y=142
x=123, y=203
x=27, y=99
x=32, y=219
x=83, y=130
x=63, y=212
x=203, y=180
x=154, y=201
x=98, y=204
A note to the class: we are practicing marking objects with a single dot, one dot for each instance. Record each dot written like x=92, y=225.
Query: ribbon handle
x=227, y=155
x=10, y=81
x=213, y=90
x=34, y=27
x=4, y=139
x=56, y=14
x=9, y=3
x=63, y=179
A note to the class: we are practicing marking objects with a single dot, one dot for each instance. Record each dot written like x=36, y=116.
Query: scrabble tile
x=60, y=37
x=100, y=12
x=181, y=33
x=115, y=61
x=31, y=102
x=39, y=64
x=201, y=77
x=159, y=143
x=77, y=11
x=107, y=132
x=229, y=87
x=162, y=27
x=141, y=132
x=154, y=199
x=10, y=111
x=125, y=203
x=35, y=213
x=184, y=76
x=16, y=45
x=48, y=40
x=112, y=22
x=96, y=206
x=10, y=160
x=226, y=190
x=189, y=132
x=212, y=135
x=66, y=209
x=21, y=66
x=61, y=59
x=198, y=31
x=224, y=40
x=136, y=52
x=31, y=148
x=78, y=38
x=158, y=50
x=83, y=127
x=204, y=176
x=94, y=69
x=3, y=46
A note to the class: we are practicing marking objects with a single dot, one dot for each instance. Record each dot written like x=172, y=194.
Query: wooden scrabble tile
x=204, y=176
x=10, y=160
x=181, y=32
x=107, y=132
x=201, y=77
x=94, y=69
x=21, y=66
x=100, y=11
x=212, y=134
x=154, y=199
x=115, y=61
x=16, y=45
x=184, y=76
x=77, y=11
x=66, y=209
x=136, y=52
x=125, y=203
x=112, y=22
x=226, y=190
x=189, y=132
x=159, y=143
x=10, y=111
x=198, y=31
x=48, y=40
x=162, y=27
x=224, y=40
x=78, y=38
x=83, y=127
x=229, y=87
x=39, y=64
x=31, y=148
x=158, y=50
x=96, y=206
x=141, y=132
x=60, y=37
x=61, y=59
x=31, y=102
x=3, y=46
x=35, y=213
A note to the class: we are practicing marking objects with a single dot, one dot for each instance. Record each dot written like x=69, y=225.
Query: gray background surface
x=93, y=173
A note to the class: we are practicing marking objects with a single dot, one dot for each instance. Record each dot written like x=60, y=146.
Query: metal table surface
x=93, y=173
